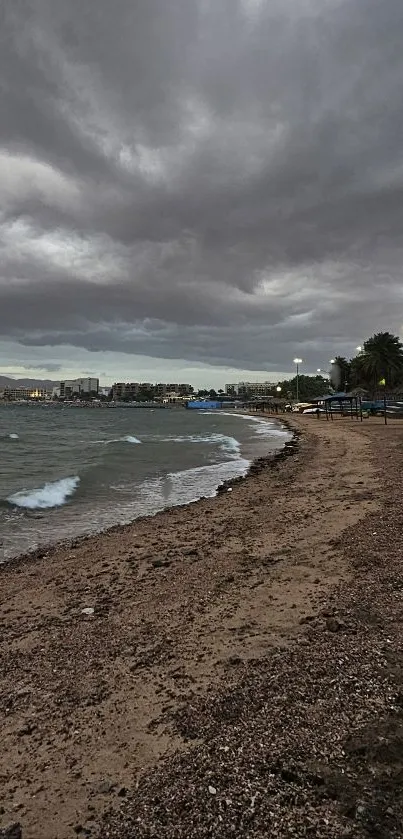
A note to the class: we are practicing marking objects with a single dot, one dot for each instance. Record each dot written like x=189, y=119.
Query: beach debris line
x=289, y=449
x=13, y=831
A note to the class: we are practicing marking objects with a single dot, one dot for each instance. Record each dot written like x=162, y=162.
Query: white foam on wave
x=226, y=443
x=188, y=485
x=264, y=427
x=267, y=430
x=204, y=480
x=127, y=439
x=191, y=438
x=53, y=494
x=13, y=436
x=231, y=445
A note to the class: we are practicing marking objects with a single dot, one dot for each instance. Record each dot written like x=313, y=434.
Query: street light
x=278, y=388
x=297, y=361
x=324, y=372
x=359, y=349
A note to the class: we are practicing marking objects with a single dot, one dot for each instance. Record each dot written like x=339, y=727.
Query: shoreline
x=128, y=659
x=256, y=465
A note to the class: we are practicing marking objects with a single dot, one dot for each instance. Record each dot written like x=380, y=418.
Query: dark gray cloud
x=49, y=366
x=218, y=181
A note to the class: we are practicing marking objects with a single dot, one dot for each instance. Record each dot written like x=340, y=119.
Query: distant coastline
x=31, y=403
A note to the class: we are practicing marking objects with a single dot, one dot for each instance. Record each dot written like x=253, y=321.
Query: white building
x=76, y=387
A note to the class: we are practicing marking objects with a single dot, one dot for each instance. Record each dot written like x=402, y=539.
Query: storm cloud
x=214, y=181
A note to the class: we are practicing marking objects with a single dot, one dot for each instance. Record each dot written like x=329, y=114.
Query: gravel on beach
x=240, y=673
x=310, y=740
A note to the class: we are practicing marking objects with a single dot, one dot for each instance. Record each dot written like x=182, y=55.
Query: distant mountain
x=47, y=384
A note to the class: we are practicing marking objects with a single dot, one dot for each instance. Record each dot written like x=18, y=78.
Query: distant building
x=134, y=391
x=172, y=389
x=125, y=391
x=78, y=387
x=249, y=389
x=15, y=394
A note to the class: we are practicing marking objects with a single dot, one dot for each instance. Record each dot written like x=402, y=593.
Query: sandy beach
x=230, y=668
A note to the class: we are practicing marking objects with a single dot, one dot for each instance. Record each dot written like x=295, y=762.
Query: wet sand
x=234, y=647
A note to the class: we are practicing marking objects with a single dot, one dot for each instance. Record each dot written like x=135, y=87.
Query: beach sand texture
x=240, y=670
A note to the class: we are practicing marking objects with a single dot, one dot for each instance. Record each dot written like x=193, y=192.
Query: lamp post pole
x=278, y=390
x=331, y=380
x=297, y=361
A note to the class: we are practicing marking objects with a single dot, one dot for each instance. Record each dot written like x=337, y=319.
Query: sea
x=69, y=471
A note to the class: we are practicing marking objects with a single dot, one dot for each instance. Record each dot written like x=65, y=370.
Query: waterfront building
x=172, y=389
x=132, y=391
x=139, y=391
x=78, y=387
x=15, y=394
x=125, y=391
x=249, y=389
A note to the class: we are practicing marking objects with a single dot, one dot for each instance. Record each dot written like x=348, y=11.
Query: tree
x=309, y=387
x=343, y=367
x=357, y=378
x=381, y=361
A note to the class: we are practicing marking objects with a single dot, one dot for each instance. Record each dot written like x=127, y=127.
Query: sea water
x=70, y=471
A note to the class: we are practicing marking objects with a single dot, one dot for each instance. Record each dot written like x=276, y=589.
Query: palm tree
x=381, y=362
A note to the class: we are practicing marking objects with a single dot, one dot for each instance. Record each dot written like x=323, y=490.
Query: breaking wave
x=127, y=439
x=188, y=485
x=227, y=444
x=265, y=427
x=53, y=494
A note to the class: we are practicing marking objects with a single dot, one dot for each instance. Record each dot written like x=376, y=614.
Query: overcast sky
x=198, y=189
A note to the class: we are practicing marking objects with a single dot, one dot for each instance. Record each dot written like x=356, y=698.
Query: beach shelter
x=342, y=404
